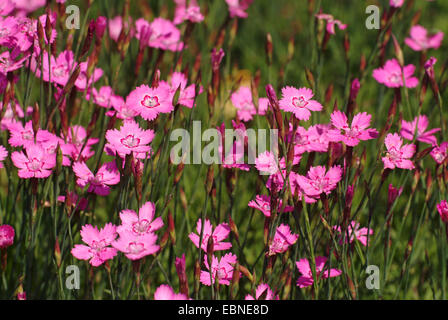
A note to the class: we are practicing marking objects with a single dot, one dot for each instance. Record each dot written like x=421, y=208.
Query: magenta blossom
x=242, y=101
x=192, y=12
x=331, y=22
x=135, y=246
x=37, y=163
x=221, y=270
x=98, y=249
x=75, y=145
x=396, y=3
x=299, y=102
x=263, y=203
x=142, y=223
x=421, y=124
x=237, y=8
x=149, y=102
x=263, y=289
x=3, y=155
x=267, y=163
x=220, y=233
x=440, y=153
x=318, y=181
x=355, y=232
x=98, y=183
x=306, y=279
x=391, y=75
x=6, y=236
x=24, y=136
x=420, y=40
x=165, y=292
x=351, y=135
x=442, y=207
x=283, y=239
x=187, y=93
x=398, y=155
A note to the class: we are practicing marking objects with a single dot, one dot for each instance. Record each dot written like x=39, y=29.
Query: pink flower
x=99, y=183
x=220, y=233
x=6, y=7
x=263, y=203
x=130, y=139
x=237, y=8
x=318, y=181
x=83, y=81
x=149, y=102
x=163, y=34
x=10, y=62
x=267, y=163
x=75, y=145
x=191, y=13
x=391, y=75
x=420, y=40
x=35, y=164
x=165, y=292
x=142, y=223
x=242, y=101
x=398, y=155
x=396, y=3
x=421, y=124
x=104, y=97
x=331, y=22
x=61, y=67
x=306, y=279
x=351, y=135
x=263, y=289
x=234, y=157
x=355, y=232
x=3, y=155
x=115, y=26
x=29, y=5
x=439, y=153
x=283, y=239
x=24, y=136
x=121, y=109
x=6, y=236
x=299, y=102
x=187, y=93
x=135, y=246
x=216, y=57
x=442, y=207
x=221, y=270
x=98, y=249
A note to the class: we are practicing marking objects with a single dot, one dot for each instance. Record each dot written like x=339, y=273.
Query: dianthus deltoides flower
x=398, y=155
x=439, y=153
x=135, y=246
x=263, y=203
x=6, y=236
x=420, y=40
x=97, y=249
x=351, y=135
x=299, y=102
x=355, y=232
x=283, y=239
x=99, y=183
x=220, y=233
x=306, y=279
x=442, y=207
x=391, y=75
x=318, y=181
x=149, y=102
x=419, y=124
x=221, y=270
x=263, y=289
x=36, y=163
x=165, y=292
x=140, y=223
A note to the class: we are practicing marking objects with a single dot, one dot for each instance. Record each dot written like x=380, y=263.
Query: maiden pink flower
x=355, y=232
x=331, y=22
x=442, y=207
x=318, y=181
x=267, y=163
x=142, y=223
x=6, y=236
x=97, y=249
x=104, y=97
x=6, y=7
x=283, y=239
x=299, y=102
x=398, y=155
x=187, y=93
x=220, y=233
x=35, y=164
x=59, y=70
x=396, y=3
x=351, y=135
x=440, y=153
x=75, y=145
x=221, y=270
x=263, y=203
x=3, y=155
x=99, y=183
x=149, y=102
x=192, y=12
x=135, y=246
x=421, y=124
x=263, y=289
x=24, y=136
x=237, y=8
x=83, y=81
x=420, y=40
x=391, y=75
x=306, y=279
x=165, y=292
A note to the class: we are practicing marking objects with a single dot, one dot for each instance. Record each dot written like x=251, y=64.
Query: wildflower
x=355, y=232
x=83, y=80
x=163, y=34
x=121, y=109
x=318, y=181
x=24, y=136
x=6, y=236
x=396, y=3
x=442, y=207
x=59, y=70
x=421, y=124
x=187, y=93
x=391, y=75
x=306, y=279
x=263, y=289
x=220, y=233
x=6, y=7
x=283, y=239
x=3, y=155
x=115, y=26
x=263, y=203
x=439, y=153
x=398, y=155
x=9, y=62
x=331, y=22
x=266, y=162
x=35, y=164
x=165, y=292
x=420, y=40
x=142, y=223
x=104, y=97
x=192, y=12
x=216, y=57
x=98, y=249
x=75, y=146
x=135, y=246
x=221, y=270
x=351, y=135
x=233, y=158
x=149, y=102
x=299, y=102
x=99, y=183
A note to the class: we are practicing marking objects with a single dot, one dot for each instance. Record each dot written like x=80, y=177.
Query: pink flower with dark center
x=192, y=12
x=141, y=223
x=351, y=135
x=135, y=246
x=331, y=22
x=165, y=292
x=237, y=8
x=299, y=102
x=442, y=207
x=103, y=97
x=220, y=233
x=6, y=236
x=318, y=181
x=35, y=164
x=420, y=40
x=24, y=136
x=440, y=153
x=97, y=249
x=355, y=232
x=267, y=163
x=306, y=279
x=420, y=124
x=59, y=69
x=221, y=270
x=263, y=290
x=149, y=102
x=99, y=183
x=263, y=203
x=398, y=155
x=283, y=239
x=75, y=145
x=391, y=75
